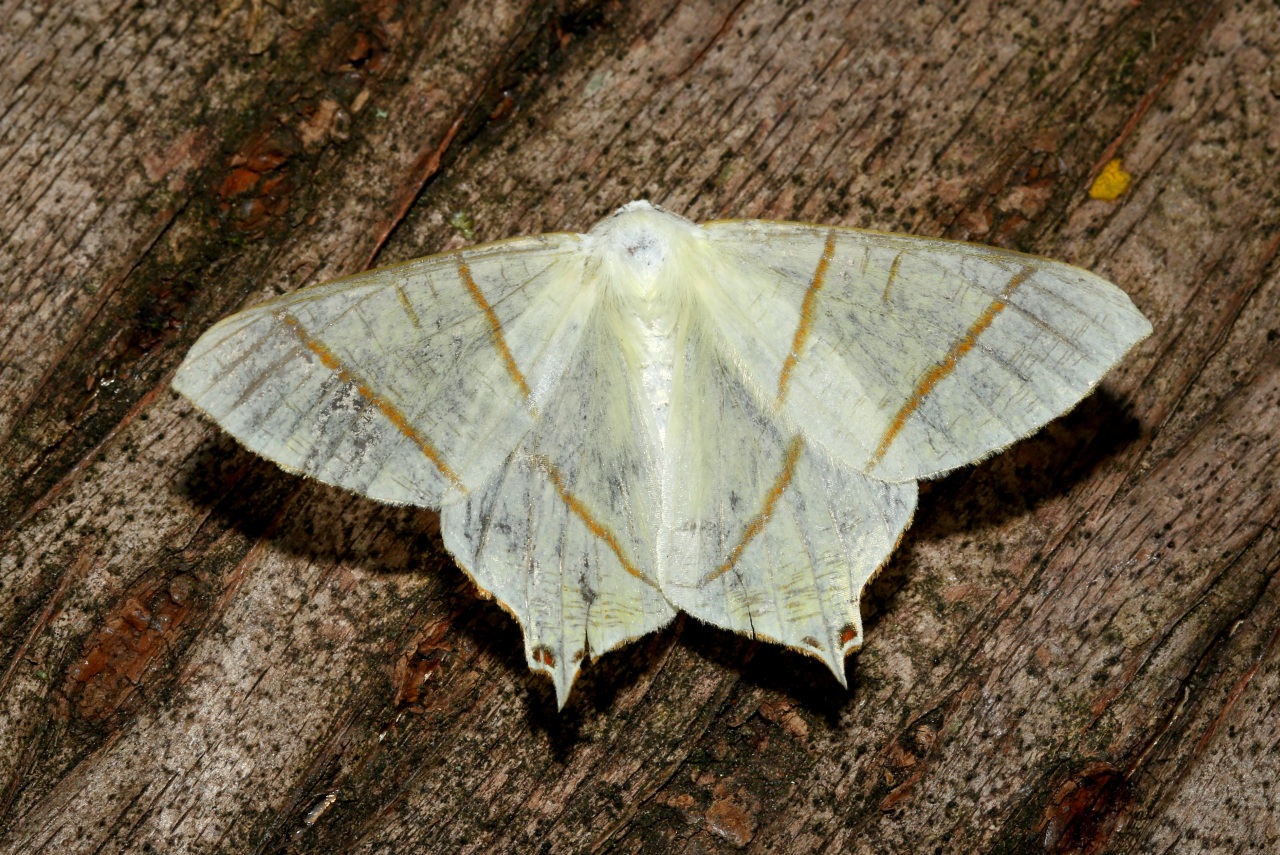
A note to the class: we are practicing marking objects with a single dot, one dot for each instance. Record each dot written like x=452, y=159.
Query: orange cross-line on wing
x=807, y=308
x=380, y=402
x=758, y=522
x=588, y=519
x=939, y=370
x=495, y=325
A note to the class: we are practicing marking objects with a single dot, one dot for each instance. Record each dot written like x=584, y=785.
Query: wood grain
x=1075, y=649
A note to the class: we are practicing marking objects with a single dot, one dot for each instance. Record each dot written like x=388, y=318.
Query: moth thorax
x=636, y=259
x=638, y=248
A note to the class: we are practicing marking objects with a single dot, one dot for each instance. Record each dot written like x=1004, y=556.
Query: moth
x=727, y=419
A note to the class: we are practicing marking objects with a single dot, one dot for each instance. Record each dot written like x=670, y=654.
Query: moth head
x=639, y=245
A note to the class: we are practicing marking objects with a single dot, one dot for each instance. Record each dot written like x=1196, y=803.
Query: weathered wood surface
x=1074, y=649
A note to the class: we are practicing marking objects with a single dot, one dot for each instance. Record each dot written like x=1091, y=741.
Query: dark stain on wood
x=1085, y=811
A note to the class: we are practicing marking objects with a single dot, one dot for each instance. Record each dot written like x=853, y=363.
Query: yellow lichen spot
x=1111, y=183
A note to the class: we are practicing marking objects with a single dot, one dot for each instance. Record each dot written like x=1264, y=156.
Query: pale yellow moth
x=727, y=419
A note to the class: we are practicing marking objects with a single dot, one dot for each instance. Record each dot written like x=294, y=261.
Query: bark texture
x=1073, y=650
